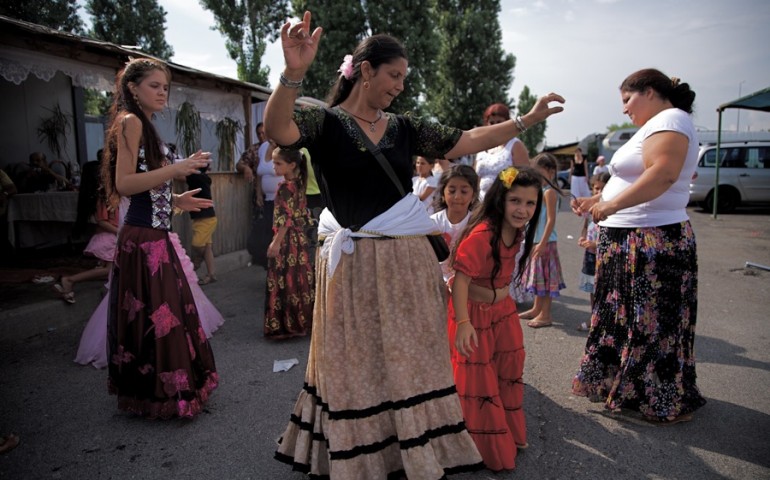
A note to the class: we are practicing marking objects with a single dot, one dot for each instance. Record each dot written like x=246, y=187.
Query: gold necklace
x=371, y=124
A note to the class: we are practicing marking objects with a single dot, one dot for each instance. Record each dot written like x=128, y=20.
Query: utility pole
x=738, y=124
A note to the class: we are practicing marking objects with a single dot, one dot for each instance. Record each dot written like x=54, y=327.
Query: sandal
x=8, y=442
x=538, y=324
x=207, y=279
x=68, y=297
x=685, y=417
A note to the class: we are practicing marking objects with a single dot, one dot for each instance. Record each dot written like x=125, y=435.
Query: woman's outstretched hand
x=543, y=110
x=185, y=201
x=299, y=45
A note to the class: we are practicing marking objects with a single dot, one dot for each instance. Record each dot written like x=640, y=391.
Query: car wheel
x=728, y=201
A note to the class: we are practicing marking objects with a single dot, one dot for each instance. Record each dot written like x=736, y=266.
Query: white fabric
x=406, y=217
x=17, y=64
x=627, y=165
x=420, y=184
x=451, y=231
x=266, y=172
x=490, y=163
x=599, y=169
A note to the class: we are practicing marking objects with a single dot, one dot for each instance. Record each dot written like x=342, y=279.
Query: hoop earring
x=366, y=85
x=136, y=99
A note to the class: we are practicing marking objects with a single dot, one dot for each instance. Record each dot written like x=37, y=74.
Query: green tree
x=615, y=126
x=472, y=69
x=536, y=133
x=131, y=22
x=61, y=15
x=247, y=25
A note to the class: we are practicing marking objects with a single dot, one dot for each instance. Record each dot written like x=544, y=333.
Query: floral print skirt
x=640, y=350
x=379, y=399
x=543, y=275
x=290, y=288
x=159, y=361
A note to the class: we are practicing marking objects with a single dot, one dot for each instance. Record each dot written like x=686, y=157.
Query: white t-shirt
x=627, y=165
x=266, y=172
x=419, y=185
x=599, y=169
x=451, y=231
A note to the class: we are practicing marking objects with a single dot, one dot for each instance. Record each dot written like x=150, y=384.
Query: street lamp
x=738, y=124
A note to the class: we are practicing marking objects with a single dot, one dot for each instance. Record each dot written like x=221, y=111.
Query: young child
x=290, y=276
x=587, y=240
x=484, y=330
x=204, y=223
x=543, y=276
x=424, y=183
x=458, y=193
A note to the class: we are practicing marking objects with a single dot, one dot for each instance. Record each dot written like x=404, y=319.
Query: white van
x=744, y=175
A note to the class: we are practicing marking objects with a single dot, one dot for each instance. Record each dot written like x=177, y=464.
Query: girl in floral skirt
x=290, y=277
x=543, y=277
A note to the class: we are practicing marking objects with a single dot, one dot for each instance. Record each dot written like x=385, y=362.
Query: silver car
x=744, y=175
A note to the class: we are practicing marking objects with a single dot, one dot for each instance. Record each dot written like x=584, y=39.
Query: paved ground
x=70, y=428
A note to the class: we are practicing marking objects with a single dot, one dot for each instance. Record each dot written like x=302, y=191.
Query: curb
x=48, y=315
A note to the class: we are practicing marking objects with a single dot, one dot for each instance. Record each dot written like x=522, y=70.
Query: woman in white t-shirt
x=639, y=354
x=490, y=163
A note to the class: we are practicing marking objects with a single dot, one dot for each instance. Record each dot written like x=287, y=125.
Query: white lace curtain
x=16, y=65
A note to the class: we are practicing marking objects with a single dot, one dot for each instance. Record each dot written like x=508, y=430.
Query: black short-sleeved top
x=202, y=181
x=353, y=184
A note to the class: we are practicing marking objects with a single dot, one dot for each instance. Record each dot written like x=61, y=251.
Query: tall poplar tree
x=131, y=22
x=247, y=26
x=61, y=15
x=536, y=133
x=472, y=69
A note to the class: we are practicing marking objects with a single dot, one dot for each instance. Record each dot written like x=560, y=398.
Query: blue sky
x=582, y=50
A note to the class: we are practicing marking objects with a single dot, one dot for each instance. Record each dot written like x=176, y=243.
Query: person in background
x=491, y=162
x=639, y=354
x=424, y=183
x=290, y=278
x=600, y=166
x=93, y=208
x=7, y=190
x=578, y=175
x=39, y=177
x=458, y=194
x=160, y=362
x=442, y=165
x=543, y=277
x=204, y=223
x=587, y=240
x=247, y=165
x=379, y=399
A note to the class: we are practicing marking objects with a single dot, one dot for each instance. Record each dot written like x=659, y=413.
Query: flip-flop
x=537, y=324
x=9, y=442
x=68, y=297
x=686, y=417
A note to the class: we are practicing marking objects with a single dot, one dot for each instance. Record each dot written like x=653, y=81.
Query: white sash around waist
x=408, y=217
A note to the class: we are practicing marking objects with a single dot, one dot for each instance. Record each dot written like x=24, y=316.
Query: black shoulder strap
x=375, y=150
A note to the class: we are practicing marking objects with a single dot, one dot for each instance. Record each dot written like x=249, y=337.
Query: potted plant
x=53, y=131
x=188, y=128
x=227, y=130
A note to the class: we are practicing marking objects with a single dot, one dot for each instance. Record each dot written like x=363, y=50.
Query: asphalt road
x=70, y=427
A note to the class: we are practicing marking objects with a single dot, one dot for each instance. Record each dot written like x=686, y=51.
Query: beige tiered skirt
x=379, y=399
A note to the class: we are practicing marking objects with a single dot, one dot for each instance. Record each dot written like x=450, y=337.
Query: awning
x=756, y=101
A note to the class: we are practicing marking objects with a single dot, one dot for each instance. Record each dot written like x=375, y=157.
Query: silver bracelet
x=290, y=83
x=519, y=124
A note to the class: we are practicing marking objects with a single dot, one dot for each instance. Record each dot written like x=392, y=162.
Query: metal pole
x=716, y=166
x=738, y=124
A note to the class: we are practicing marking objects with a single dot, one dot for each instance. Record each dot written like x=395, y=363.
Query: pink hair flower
x=346, y=69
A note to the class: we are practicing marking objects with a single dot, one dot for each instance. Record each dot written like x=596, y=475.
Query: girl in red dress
x=290, y=278
x=484, y=330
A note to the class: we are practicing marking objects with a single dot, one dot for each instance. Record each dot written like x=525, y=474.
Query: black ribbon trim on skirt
x=382, y=407
x=403, y=444
x=308, y=427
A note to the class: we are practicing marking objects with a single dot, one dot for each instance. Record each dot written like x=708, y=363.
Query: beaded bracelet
x=519, y=123
x=289, y=83
x=460, y=322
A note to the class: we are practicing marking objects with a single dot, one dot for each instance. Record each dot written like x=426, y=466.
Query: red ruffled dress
x=489, y=382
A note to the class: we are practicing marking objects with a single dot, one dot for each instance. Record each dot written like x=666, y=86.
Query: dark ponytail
x=669, y=88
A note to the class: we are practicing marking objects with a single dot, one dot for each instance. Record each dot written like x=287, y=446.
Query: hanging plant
x=188, y=128
x=227, y=130
x=53, y=130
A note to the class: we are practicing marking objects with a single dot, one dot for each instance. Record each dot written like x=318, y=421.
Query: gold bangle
x=460, y=322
